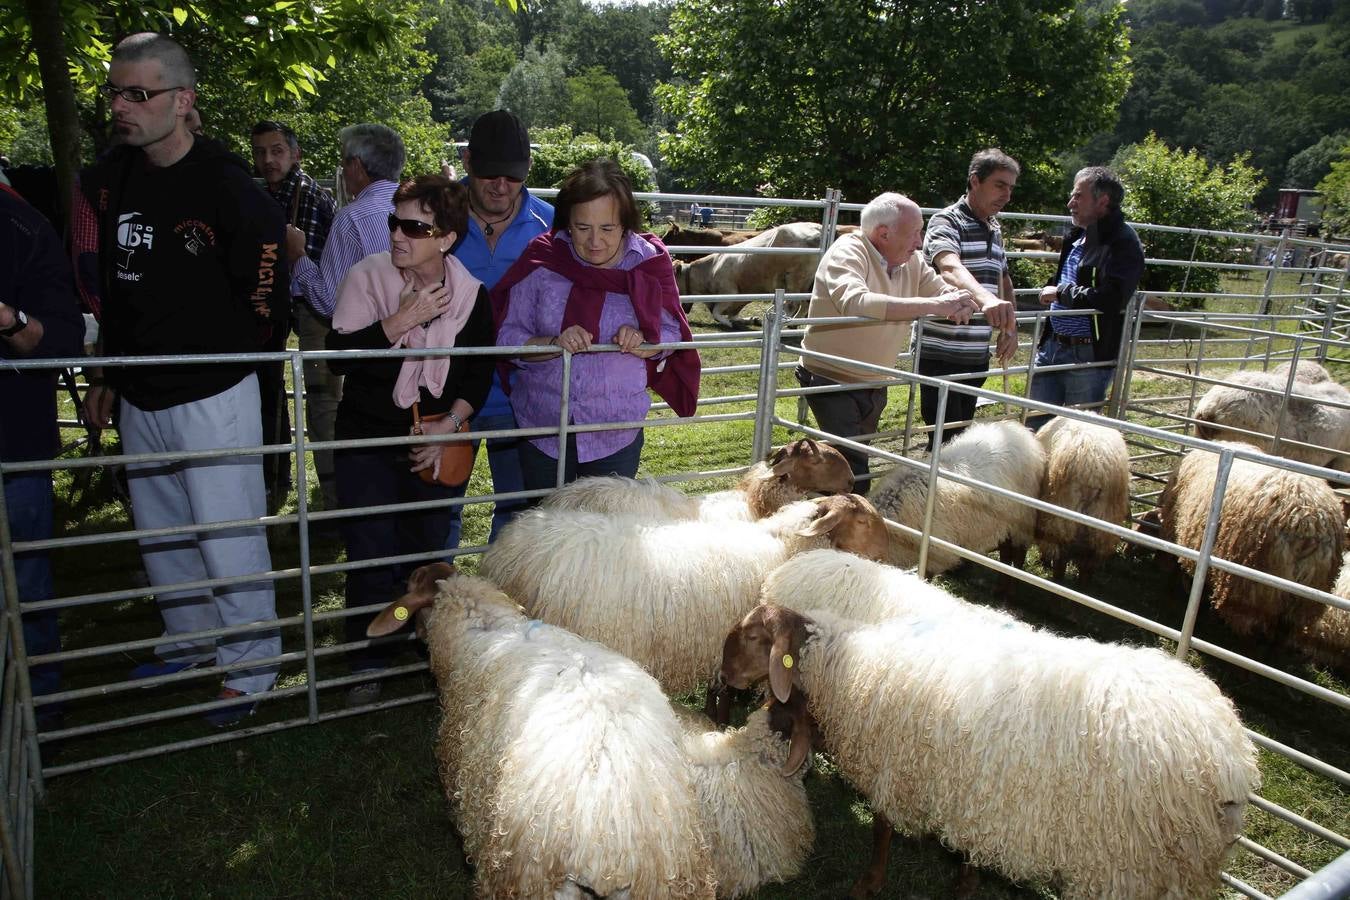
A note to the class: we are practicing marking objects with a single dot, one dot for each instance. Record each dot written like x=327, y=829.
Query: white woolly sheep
x=1306, y=420
x=1308, y=372
x=1278, y=522
x=1327, y=641
x=562, y=760
x=864, y=590
x=567, y=769
x=749, y=785
x=661, y=593
x=1004, y=454
x=793, y=472
x=1111, y=771
x=1087, y=470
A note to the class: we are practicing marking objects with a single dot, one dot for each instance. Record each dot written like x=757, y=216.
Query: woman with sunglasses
x=415, y=295
x=593, y=280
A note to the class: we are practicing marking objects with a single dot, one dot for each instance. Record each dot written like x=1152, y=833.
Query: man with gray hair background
x=964, y=243
x=372, y=161
x=876, y=272
x=190, y=261
x=1099, y=269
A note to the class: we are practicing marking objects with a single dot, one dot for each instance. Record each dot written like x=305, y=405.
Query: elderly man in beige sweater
x=877, y=272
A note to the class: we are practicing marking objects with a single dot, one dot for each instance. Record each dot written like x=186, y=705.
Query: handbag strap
x=417, y=419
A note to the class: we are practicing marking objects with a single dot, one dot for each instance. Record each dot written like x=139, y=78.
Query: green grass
x=353, y=807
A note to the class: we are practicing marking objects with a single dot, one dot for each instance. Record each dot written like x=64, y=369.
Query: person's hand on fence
x=574, y=339
x=1049, y=294
x=98, y=406
x=956, y=305
x=999, y=313
x=629, y=340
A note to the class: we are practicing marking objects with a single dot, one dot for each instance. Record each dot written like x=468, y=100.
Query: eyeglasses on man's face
x=412, y=228
x=135, y=94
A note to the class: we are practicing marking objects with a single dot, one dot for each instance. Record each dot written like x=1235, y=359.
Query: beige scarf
x=370, y=293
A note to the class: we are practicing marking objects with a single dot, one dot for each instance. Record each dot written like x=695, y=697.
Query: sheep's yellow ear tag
x=787, y=660
x=401, y=613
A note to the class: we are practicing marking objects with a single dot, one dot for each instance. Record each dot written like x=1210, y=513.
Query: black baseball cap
x=499, y=145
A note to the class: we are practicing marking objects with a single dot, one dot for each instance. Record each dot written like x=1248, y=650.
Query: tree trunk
x=58, y=94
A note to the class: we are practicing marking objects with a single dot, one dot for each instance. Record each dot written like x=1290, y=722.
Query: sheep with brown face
x=793, y=472
x=569, y=774
x=1109, y=770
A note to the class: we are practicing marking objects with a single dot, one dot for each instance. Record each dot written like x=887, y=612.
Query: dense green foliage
x=1336, y=187
x=884, y=94
x=1175, y=187
x=730, y=97
x=1237, y=77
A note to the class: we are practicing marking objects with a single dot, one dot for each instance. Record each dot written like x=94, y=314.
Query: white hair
x=886, y=209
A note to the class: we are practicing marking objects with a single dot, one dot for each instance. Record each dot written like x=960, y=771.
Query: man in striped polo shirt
x=1099, y=269
x=964, y=244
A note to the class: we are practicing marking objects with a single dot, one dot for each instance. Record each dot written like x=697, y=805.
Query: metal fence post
x=913, y=388
x=302, y=512
x=1125, y=355
x=931, y=500
x=1270, y=276
x=1206, y=551
x=18, y=648
x=767, y=401
x=1036, y=327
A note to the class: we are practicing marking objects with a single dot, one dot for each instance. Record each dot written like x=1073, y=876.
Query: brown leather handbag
x=456, y=458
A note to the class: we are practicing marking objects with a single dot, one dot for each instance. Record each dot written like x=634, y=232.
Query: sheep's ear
x=421, y=594
x=780, y=463
x=787, y=628
x=794, y=719
x=831, y=516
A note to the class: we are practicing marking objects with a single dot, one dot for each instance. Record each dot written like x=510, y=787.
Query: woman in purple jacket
x=593, y=280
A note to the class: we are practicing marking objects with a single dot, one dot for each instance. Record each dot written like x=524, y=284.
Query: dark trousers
x=848, y=414
x=372, y=477
x=541, y=470
x=960, y=407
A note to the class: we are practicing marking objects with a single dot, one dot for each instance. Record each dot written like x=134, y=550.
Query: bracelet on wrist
x=454, y=417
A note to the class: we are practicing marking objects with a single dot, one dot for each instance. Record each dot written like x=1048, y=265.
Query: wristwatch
x=20, y=323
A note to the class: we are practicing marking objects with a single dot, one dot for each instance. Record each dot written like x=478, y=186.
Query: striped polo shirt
x=980, y=247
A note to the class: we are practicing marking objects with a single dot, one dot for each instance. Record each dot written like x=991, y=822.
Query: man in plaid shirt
x=276, y=156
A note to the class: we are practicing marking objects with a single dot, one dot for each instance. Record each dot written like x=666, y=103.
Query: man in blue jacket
x=503, y=217
x=1099, y=269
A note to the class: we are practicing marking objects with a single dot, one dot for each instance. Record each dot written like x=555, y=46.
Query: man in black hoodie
x=191, y=261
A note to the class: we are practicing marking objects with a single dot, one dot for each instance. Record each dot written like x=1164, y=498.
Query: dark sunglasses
x=509, y=178
x=412, y=228
x=133, y=95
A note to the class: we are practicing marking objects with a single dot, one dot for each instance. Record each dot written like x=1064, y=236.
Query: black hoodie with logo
x=192, y=261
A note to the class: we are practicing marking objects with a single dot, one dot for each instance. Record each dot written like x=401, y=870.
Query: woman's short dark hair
x=447, y=201
x=590, y=181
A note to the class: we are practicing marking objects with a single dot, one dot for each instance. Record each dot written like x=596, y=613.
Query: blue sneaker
x=227, y=716
x=160, y=667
